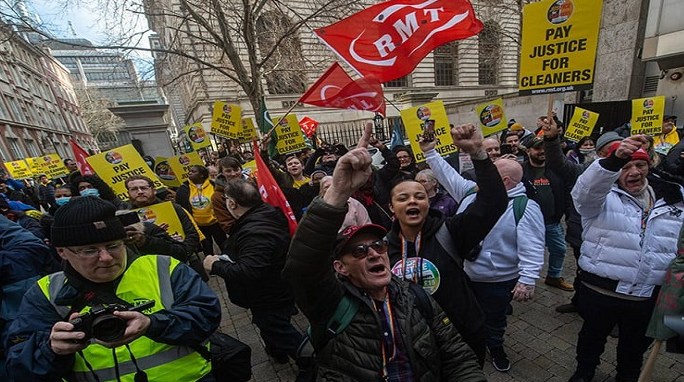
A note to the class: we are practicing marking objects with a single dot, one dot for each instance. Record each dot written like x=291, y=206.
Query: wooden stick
x=280, y=120
x=647, y=371
x=550, y=106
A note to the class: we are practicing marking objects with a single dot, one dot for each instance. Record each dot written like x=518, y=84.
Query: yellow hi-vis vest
x=147, y=278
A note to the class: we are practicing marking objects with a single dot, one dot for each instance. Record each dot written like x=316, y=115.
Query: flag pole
x=280, y=120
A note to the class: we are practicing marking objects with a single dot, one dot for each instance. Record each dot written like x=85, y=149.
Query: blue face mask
x=63, y=200
x=90, y=191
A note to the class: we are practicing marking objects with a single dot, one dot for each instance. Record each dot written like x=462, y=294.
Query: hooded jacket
x=257, y=245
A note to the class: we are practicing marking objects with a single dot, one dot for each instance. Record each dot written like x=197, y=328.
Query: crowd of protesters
x=426, y=259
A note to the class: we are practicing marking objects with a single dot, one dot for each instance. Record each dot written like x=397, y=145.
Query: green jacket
x=435, y=349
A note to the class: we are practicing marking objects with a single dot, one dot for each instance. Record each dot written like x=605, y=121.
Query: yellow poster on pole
x=289, y=135
x=51, y=165
x=163, y=214
x=116, y=165
x=196, y=135
x=225, y=120
x=581, y=124
x=165, y=173
x=647, y=115
x=492, y=117
x=559, y=40
x=415, y=120
x=248, y=132
x=180, y=164
x=18, y=169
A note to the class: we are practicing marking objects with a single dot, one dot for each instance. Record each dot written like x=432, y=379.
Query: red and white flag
x=80, y=156
x=309, y=126
x=271, y=192
x=389, y=39
x=337, y=90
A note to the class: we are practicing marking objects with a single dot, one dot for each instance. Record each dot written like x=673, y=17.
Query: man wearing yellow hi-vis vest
x=111, y=315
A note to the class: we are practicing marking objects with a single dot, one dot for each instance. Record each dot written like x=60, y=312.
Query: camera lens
x=108, y=327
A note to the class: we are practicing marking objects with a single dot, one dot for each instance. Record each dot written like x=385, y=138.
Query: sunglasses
x=361, y=251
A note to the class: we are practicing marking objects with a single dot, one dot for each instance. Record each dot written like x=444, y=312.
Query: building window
x=32, y=148
x=17, y=152
x=489, y=49
x=398, y=83
x=446, y=64
x=285, y=70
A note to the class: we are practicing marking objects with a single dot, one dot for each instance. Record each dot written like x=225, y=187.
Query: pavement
x=539, y=341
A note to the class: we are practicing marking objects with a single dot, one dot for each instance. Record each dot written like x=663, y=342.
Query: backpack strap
x=519, y=205
x=444, y=239
x=422, y=301
x=344, y=313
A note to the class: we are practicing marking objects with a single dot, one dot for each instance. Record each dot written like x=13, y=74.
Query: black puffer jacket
x=257, y=244
x=435, y=349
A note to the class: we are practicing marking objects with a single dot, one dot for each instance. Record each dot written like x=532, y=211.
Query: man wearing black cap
x=395, y=331
x=51, y=339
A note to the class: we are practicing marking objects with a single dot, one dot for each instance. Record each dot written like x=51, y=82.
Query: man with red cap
x=629, y=238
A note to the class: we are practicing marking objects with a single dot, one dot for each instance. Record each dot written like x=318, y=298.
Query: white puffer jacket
x=613, y=245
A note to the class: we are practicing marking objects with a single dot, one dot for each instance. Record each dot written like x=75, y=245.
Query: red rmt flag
x=271, y=192
x=389, y=39
x=337, y=90
x=80, y=156
x=308, y=126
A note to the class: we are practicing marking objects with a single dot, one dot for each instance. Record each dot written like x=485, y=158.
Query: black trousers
x=215, y=232
x=601, y=313
x=276, y=329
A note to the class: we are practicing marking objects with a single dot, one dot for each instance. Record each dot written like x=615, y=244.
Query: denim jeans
x=494, y=299
x=601, y=313
x=275, y=327
x=555, y=242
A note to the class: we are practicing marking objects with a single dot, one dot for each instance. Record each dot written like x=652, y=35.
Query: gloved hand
x=523, y=292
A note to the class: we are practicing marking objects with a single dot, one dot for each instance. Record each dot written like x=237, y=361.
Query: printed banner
x=18, y=169
x=248, y=131
x=225, y=120
x=116, y=165
x=581, y=124
x=414, y=121
x=180, y=164
x=559, y=40
x=289, y=134
x=492, y=117
x=196, y=135
x=647, y=115
x=165, y=173
x=389, y=39
x=163, y=214
x=51, y=165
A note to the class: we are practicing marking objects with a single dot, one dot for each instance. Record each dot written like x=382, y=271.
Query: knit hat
x=517, y=127
x=86, y=220
x=640, y=154
x=349, y=232
x=607, y=138
x=511, y=122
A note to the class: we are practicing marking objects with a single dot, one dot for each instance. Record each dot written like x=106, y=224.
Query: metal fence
x=348, y=133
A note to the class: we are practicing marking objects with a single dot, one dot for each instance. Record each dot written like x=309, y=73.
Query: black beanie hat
x=86, y=220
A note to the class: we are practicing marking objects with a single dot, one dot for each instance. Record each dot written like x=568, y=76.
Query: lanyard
x=404, y=258
x=389, y=318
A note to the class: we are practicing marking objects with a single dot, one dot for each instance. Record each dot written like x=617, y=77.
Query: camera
x=429, y=130
x=129, y=218
x=506, y=149
x=101, y=324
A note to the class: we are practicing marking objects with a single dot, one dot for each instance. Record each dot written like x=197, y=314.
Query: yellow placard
x=250, y=168
x=559, y=40
x=196, y=135
x=414, y=119
x=492, y=117
x=248, y=132
x=116, y=165
x=165, y=173
x=51, y=165
x=163, y=213
x=225, y=120
x=647, y=115
x=18, y=169
x=581, y=124
x=289, y=134
x=180, y=164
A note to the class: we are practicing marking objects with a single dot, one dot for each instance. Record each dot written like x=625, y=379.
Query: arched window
x=489, y=49
x=446, y=64
x=284, y=70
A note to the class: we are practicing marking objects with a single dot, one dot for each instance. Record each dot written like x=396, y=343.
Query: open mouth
x=377, y=269
x=413, y=212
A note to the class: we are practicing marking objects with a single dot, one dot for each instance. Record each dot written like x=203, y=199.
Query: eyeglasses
x=361, y=250
x=224, y=197
x=144, y=188
x=112, y=248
